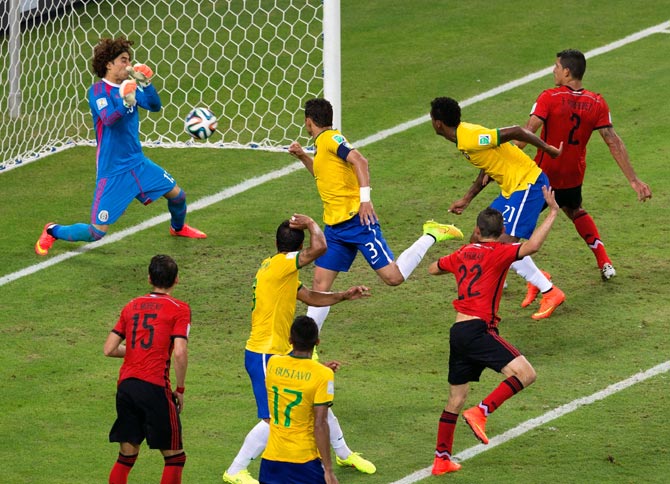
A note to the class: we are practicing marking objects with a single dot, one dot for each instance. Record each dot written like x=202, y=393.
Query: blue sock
x=77, y=232
x=177, y=208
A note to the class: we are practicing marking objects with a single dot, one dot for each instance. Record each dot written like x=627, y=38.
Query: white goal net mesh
x=252, y=62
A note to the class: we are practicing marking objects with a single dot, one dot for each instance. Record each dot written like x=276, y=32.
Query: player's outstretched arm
x=522, y=134
x=540, y=234
x=296, y=151
x=477, y=186
x=321, y=299
x=366, y=211
x=620, y=154
x=317, y=241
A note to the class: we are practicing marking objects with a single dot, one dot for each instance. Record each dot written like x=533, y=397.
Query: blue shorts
x=147, y=182
x=346, y=239
x=275, y=472
x=522, y=209
x=256, y=365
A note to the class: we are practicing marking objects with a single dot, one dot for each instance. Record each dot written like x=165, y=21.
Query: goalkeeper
x=123, y=172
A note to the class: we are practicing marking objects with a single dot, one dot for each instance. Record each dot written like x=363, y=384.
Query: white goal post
x=254, y=63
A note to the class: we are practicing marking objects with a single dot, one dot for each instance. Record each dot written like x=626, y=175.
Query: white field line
x=248, y=184
x=542, y=419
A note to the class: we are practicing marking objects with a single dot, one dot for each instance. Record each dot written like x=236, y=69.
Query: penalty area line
x=543, y=419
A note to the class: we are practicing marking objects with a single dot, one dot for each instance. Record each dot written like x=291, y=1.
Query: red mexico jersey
x=480, y=271
x=569, y=116
x=149, y=324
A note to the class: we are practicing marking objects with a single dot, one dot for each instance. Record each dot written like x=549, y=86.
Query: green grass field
x=57, y=403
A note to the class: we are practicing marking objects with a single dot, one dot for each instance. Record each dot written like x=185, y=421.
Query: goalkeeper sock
x=77, y=232
x=122, y=467
x=253, y=446
x=410, y=258
x=174, y=467
x=177, y=208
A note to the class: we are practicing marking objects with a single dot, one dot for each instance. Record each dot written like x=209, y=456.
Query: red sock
x=587, y=229
x=122, y=467
x=174, y=466
x=445, y=434
x=507, y=389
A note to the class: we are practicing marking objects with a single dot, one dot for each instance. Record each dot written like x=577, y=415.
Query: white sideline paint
x=542, y=419
x=248, y=184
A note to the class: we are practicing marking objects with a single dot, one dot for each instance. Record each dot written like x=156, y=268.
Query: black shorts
x=474, y=346
x=568, y=197
x=145, y=410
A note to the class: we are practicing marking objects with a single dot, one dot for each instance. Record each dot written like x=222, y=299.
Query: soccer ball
x=201, y=123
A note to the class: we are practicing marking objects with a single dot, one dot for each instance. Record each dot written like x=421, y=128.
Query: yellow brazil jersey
x=335, y=178
x=275, y=288
x=505, y=163
x=295, y=386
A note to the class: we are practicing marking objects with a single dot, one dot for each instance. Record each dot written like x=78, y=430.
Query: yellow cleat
x=242, y=477
x=357, y=462
x=442, y=231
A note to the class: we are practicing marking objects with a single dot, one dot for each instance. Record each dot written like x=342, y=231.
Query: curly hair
x=447, y=110
x=106, y=51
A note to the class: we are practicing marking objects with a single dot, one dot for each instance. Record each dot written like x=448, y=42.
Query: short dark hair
x=490, y=223
x=106, y=51
x=163, y=271
x=288, y=239
x=304, y=333
x=574, y=60
x=320, y=111
x=447, y=110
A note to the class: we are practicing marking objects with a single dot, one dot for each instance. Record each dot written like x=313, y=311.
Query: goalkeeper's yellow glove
x=142, y=73
x=127, y=92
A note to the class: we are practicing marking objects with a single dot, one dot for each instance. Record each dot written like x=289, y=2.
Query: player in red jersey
x=569, y=113
x=474, y=343
x=155, y=328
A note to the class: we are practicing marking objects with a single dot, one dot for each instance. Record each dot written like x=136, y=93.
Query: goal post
x=253, y=63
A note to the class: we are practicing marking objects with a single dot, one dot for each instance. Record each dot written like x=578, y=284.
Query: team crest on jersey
x=101, y=103
x=484, y=139
x=103, y=216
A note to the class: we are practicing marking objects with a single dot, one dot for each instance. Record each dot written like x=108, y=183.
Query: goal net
x=252, y=62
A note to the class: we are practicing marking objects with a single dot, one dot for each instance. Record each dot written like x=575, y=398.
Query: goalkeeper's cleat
x=357, y=462
x=45, y=241
x=607, y=271
x=476, y=419
x=442, y=232
x=442, y=465
x=551, y=299
x=189, y=232
x=533, y=291
x=315, y=355
x=127, y=92
x=242, y=477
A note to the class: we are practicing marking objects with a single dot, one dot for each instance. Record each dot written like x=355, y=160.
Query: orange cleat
x=551, y=299
x=476, y=419
x=533, y=291
x=45, y=241
x=189, y=232
x=444, y=465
